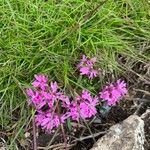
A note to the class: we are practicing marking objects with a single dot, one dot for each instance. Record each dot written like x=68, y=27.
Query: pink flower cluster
x=45, y=95
x=53, y=107
x=86, y=67
x=114, y=92
x=48, y=120
x=84, y=106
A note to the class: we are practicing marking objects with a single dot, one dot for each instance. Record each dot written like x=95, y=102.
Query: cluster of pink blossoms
x=86, y=67
x=114, y=92
x=47, y=98
x=44, y=95
x=83, y=106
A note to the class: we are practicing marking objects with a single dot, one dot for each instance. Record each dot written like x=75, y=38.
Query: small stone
x=27, y=134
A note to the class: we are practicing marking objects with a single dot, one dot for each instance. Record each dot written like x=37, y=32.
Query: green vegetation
x=49, y=36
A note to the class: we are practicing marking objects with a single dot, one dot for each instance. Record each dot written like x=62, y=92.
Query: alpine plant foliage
x=53, y=106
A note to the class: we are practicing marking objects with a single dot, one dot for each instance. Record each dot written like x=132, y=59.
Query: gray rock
x=128, y=135
x=146, y=118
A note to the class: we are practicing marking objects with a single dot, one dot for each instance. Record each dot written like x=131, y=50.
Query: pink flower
x=86, y=67
x=88, y=106
x=58, y=96
x=84, y=70
x=91, y=62
x=49, y=120
x=54, y=87
x=48, y=97
x=45, y=120
x=114, y=92
x=87, y=110
x=84, y=106
x=65, y=100
x=74, y=111
x=41, y=78
x=40, y=82
x=35, y=98
x=93, y=74
x=82, y=61
x=121, y=87
x=39, y=118
x=45, y=94
x=86, y=95
x=53, y=95
x=30, y=92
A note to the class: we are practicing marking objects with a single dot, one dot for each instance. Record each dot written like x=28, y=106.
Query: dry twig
x=57, y=146
x=90, y=136
x=34, y=134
